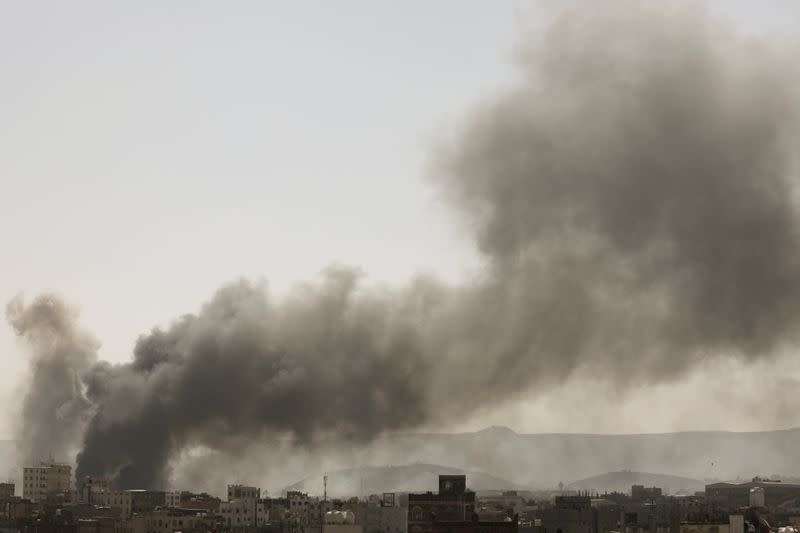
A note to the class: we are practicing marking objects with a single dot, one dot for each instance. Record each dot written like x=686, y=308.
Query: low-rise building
x=243, y=508
x=143, y=501
x=172, y=520
x=384, y=516
x=122, y=500
x=737, y=495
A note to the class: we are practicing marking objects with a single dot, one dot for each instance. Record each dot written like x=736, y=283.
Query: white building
x=46, y=479
x=172, y=499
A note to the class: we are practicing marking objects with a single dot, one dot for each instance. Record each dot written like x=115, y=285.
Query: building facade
x=737, y=495
x=453, y=503
x=47, y=479
x=244, y=507
x=383, y=515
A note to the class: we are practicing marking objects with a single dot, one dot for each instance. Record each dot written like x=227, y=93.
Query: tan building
x=47, y=479
x=244, y=507
x=171, y=520
x=116, y=499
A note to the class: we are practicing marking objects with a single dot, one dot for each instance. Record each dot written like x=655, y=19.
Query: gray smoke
x=54, y=410
x=634, y=198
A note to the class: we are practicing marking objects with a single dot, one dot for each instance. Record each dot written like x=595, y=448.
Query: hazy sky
x=150, y=151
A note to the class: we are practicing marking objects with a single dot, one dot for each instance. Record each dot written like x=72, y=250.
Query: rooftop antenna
x=325, y=490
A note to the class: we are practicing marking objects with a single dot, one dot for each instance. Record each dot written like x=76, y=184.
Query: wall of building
x=38, y=482
x=342, y=528
x=705, y=528
x=379, y=519
x=115, y=499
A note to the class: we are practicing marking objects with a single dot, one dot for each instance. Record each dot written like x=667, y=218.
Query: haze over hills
x=623, y=480
x=544, y=460
x=402, y=478
x=498, y=457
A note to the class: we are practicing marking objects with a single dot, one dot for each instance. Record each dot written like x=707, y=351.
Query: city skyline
x=620, y=196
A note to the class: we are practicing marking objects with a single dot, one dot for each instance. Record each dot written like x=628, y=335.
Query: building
x=453, y=503
x=202, y=501
x=7, y=490
x=383, y=515
x=172, y=499
x=298, y=502
x=47, y=479
x=341, y=522
x=737, y=495
x=690, y=527
x=171, y=520
x=90, y=485
x=122, y=500
x=143, y=501
x=452, y=510
x=607, y=515
x=499, y=506
x=570, y=514
x=244, y=507
x=640, y=493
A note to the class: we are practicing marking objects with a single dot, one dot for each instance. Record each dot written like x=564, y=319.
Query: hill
x=621, y=482
x=403, y=478
x=544, y=460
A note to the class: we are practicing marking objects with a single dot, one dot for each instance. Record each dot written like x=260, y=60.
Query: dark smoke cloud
x=328, y=359
x=636, y=195
x=634, y=201
x=54, y=410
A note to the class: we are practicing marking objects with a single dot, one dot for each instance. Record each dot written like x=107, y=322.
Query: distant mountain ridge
x=544, y=460
x=416, y=477
x=623, y=480
x=541, y=461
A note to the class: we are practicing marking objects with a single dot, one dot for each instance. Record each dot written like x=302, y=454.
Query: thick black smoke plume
x=54, y=411
x=635, y=201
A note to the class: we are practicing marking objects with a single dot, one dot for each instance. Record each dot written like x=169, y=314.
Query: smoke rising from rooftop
x=634, y=198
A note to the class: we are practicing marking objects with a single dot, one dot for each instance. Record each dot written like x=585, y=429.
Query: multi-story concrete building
x=508, y=501
x=172, y=499
x=570, y=514
x=244, y=507
x=737, y=495
x=452, y=510
x=90, y=485
x=298, y=502
x=7, y=490
x=115, y=499
x=171, y=520
x=383, y=515
x=452, y=503
x=146, y=500
x=47, y=479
